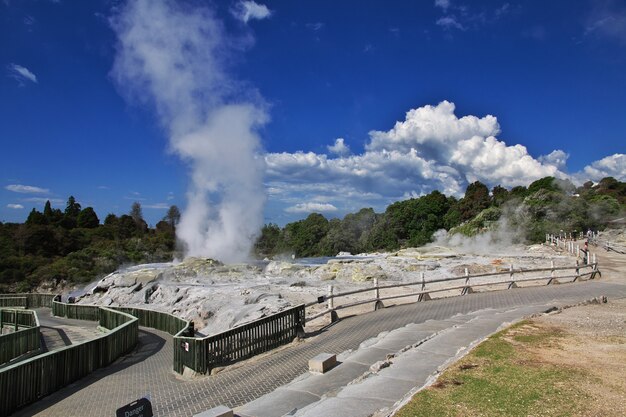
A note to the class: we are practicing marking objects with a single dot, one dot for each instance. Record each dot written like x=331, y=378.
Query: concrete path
x=147, y=372
x=387, y=369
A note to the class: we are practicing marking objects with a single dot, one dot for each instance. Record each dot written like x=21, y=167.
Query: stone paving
x=57, y=332
x=148, y=370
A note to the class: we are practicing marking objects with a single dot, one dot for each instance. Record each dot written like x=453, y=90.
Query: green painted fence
x=27, y=381
x=76, y=311
x=159, y=320
x=13, y=302
x=242, y=342
x=33, y=300
x=24, y=340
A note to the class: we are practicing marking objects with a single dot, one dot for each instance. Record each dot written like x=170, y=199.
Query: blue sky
x=363, y=102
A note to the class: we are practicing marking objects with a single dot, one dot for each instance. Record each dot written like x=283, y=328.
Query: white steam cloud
x=174, y=57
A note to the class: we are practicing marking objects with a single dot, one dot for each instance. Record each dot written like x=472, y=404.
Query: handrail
x=590, y=262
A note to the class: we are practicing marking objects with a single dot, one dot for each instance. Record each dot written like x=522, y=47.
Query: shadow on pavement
x=148, y=345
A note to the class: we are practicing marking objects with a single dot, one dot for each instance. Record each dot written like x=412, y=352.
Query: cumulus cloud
x=610, y=166
x=248, y=10
x=339, y=148
x=311, y=208
x=21, y=74
x=431, y=149
x=15, y=206
x=26, y=189
x=557, y=158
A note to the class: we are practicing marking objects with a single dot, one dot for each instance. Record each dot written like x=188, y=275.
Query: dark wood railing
x=242, y=342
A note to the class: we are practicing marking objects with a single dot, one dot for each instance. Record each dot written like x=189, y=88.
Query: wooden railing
x=25, y=338
x=27, y=300
x=462, y=285
x=12, y=302
x=25, y=382
x=241, y=342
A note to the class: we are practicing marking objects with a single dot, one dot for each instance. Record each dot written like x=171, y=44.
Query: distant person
x=585, y=251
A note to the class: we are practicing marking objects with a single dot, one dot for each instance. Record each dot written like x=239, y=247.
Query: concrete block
x=322, y=362
x=219, y=411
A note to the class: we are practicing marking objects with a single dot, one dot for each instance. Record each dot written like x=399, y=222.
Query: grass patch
x=504, y=376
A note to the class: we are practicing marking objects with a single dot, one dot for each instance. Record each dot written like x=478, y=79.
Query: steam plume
x=175, y=57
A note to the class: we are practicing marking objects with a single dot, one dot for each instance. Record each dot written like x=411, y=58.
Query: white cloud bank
x=431, y=149
x=15, y=206
x=21, y=74
x=26, y=189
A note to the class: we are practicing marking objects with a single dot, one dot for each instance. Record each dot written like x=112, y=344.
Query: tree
x=172, y=216
x=36, y=217
x=499, y=195
x=72, y=209
x=88, y=219
x=137, y=215
x=476, y=199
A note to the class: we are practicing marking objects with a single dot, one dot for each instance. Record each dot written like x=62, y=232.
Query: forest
x=73, y=246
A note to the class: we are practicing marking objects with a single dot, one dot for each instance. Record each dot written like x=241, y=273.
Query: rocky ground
x=218, y=297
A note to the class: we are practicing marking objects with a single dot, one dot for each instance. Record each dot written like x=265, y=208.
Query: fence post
x=577, y=251
x=376, y=291
x=551, y=273
x=577, y=271
x=331, y=305
x=512, y=283
x=467, y=289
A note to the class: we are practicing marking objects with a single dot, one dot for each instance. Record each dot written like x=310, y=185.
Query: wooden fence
x=464, y=284
x=22, y=341
x=13, y=302
x=204, y=354
x=28, y=300
x=27, y=381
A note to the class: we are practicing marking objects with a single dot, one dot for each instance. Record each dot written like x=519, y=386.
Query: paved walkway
x=58, y=332
x=147, y=372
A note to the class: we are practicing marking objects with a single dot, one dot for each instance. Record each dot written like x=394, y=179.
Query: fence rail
x=25, y=382
x=22, y=341
x=242, y=342
x=27, y=300
x=463, y=283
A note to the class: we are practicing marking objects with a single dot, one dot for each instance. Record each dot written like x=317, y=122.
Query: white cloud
x=431, y=149
x=157, y=206
x=610, y=166
x=557, y=158
x=608, y=21
x=339, y=148
x=311, y=208
x=21, y=74
x=450, y=22
x=15, y=206
x=248, y=10
x=26, y=189
x=444, y=4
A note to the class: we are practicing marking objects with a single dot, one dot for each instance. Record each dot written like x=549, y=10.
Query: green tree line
x=545, y=206
x=72, y=245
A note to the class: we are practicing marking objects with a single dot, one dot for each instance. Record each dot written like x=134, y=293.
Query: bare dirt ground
x=594, y=341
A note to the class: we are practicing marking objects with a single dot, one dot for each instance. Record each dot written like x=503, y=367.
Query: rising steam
x=174, y=57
